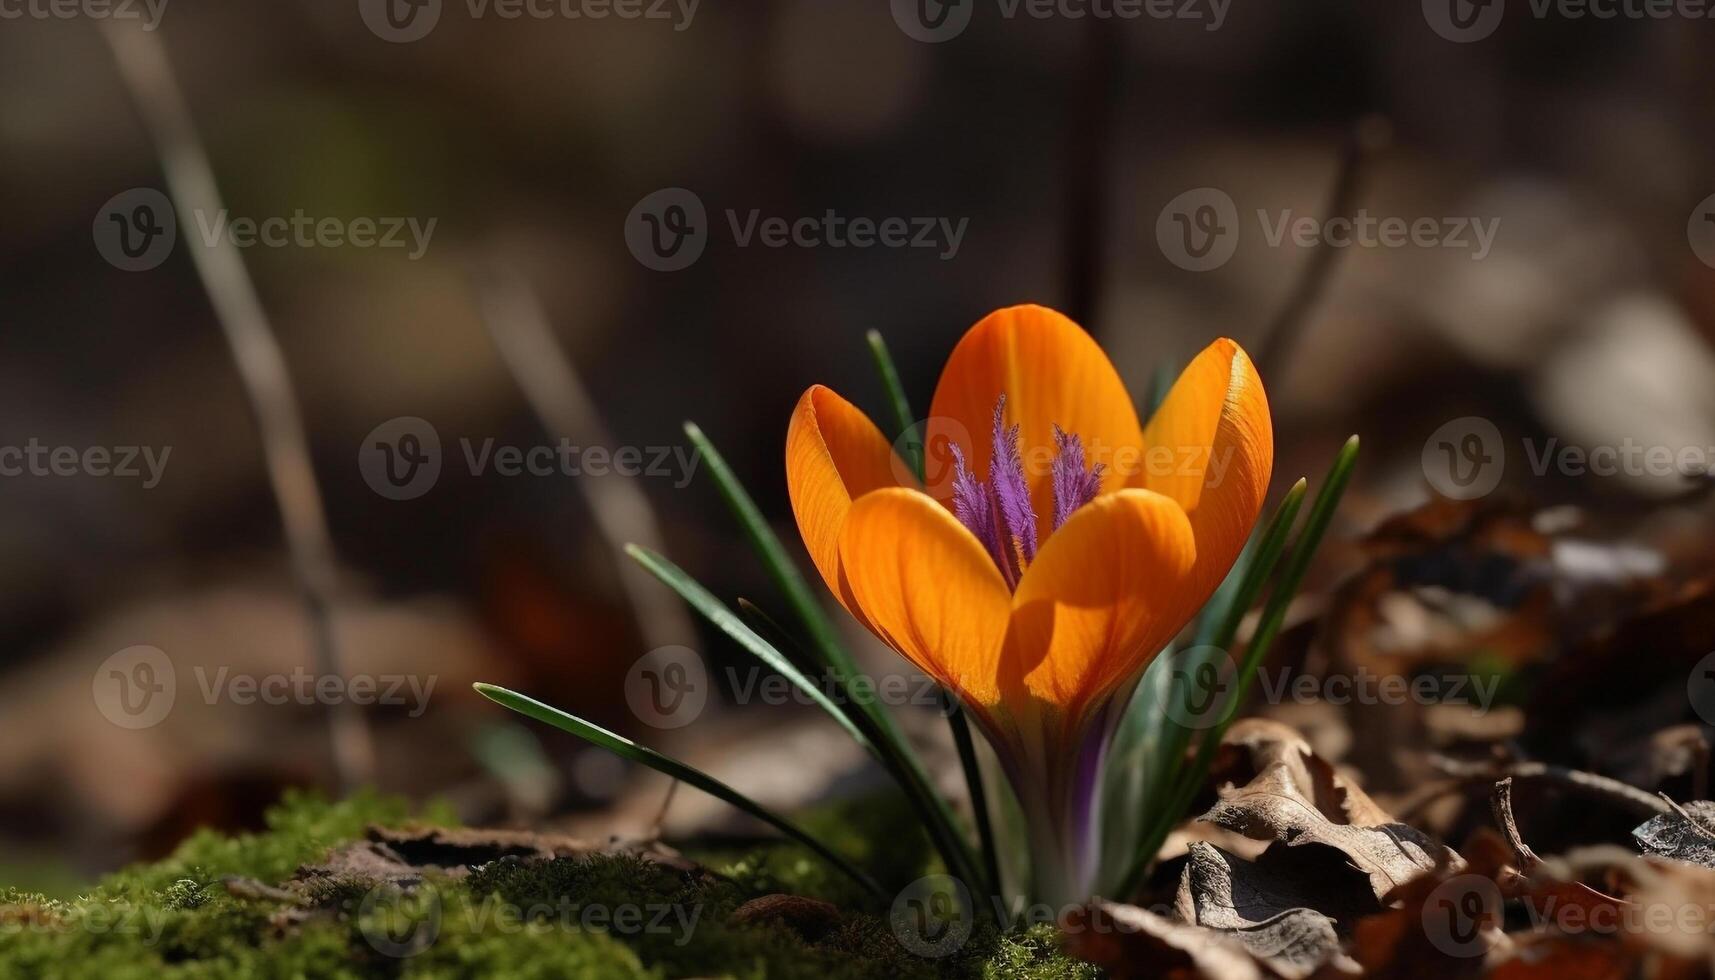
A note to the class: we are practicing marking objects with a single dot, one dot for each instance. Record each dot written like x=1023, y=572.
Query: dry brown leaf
x=1132, y=943
x=1275, y=916
x=1297, y=798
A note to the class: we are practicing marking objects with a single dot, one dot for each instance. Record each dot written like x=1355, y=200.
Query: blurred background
x=517, y=157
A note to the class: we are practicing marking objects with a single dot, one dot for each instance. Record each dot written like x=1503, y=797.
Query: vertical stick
x=147, y=73
x=1366, y=137
x=521, y=332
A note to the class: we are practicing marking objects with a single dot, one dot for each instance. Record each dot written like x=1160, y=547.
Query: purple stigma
x=999, y=512
x=1074, y=486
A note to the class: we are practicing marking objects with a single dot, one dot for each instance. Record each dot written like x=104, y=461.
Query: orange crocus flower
x=1040, y=594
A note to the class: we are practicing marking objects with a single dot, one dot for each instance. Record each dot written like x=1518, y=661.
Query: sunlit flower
x=1058, y=546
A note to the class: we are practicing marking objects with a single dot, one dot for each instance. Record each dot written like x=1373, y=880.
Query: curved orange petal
x=1053, y=373
x=929, y=590
x=1105, y=594
x=1211, y=448
x=834, y=454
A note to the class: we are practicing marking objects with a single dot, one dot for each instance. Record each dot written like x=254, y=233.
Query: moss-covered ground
x=211, y=911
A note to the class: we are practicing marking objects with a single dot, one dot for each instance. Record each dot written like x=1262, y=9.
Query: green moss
x=612, y=917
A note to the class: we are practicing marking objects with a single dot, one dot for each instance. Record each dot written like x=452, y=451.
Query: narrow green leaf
x=905, y=424
x=961, y=727
x=727, y=622
x=1261, y=567
x=625, y=748
x=1268, y=627
x=1247, y=583
x=824, y=642
x=770, y=629
x=1285, y=589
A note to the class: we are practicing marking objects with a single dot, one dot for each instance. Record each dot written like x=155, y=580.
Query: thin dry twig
x=148, y=75
x=1502, y=802
x=1368, y=136
x=1588, y=783
x=521, y=332
x=1701, y=826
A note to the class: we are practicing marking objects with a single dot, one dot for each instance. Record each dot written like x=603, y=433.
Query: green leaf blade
x=627, y=749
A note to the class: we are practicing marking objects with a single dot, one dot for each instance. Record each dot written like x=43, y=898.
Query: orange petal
x=834, y=454
x=929, y=590
x=1211, y=448
x=1105, y=594
x=1053, y=373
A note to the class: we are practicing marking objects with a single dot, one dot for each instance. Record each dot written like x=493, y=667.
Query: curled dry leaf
x=1686, y=834
x=1296, y=798
x=1274, y=915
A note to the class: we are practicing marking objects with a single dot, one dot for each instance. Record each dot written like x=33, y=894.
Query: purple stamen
x=1073, y=485
x=1011, y=491
x=974, y=507
x=999, y=512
